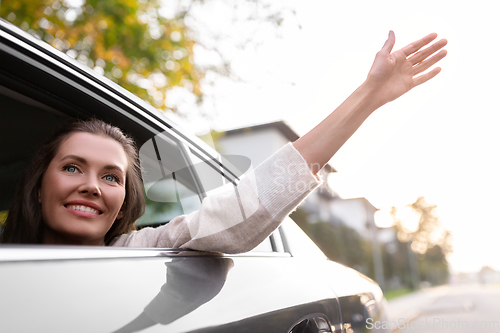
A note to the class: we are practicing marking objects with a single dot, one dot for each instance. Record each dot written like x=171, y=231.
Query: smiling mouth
x=84, y=209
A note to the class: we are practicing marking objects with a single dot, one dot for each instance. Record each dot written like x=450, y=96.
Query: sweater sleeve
x=237, y=220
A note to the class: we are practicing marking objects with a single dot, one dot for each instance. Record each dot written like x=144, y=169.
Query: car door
x=46, y=289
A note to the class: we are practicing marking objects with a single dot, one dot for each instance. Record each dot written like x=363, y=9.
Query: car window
x=170, y=185
x=297, y=243
x=26, y=123
x=36, y=99
x=177, y=179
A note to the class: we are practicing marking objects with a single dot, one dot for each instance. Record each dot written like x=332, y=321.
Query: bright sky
x=439, y=141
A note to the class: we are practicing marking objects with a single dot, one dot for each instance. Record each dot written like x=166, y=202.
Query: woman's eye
x=111, y=178
x=71, y=168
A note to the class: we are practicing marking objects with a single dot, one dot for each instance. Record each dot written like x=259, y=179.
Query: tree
x=127, y=41
x=433, y=266
x=146, y=46
x=397, y=271
x=427, y=233
x=428, y=239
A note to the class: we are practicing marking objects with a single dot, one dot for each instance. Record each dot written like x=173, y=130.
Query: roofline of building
x=367, y=202
x=281, y=126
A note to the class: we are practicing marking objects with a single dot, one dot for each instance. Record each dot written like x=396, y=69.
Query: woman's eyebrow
x=114, y=167
x=78, y=158
x=84, y=161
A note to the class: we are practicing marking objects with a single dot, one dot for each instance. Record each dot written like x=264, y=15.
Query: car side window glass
x=170, y=185
x=297, y=242
x=219, y=176
x=177, y=178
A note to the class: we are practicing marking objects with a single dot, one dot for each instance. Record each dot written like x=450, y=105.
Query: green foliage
x=397, y=271
x=147, y=46
x=127, y=41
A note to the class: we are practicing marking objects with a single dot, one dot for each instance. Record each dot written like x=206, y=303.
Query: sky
x=438, y=141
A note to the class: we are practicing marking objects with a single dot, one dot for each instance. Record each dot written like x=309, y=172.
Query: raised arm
x=392, y=75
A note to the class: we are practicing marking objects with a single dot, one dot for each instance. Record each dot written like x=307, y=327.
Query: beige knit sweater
x=236, y=221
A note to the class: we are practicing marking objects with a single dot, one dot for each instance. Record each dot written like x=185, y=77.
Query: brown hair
x=24, y=222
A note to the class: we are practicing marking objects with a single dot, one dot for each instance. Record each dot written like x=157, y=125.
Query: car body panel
x=186, y=290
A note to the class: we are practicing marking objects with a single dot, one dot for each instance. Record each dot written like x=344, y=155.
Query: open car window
x=175, y=179
x=41, y=89
x=27, y=123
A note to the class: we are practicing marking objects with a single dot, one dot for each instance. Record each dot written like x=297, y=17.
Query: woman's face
x=83, y=190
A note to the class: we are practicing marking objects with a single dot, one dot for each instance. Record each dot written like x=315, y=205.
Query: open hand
x=393, y=74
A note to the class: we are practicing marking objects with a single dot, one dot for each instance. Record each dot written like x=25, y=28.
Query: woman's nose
x=91, y=187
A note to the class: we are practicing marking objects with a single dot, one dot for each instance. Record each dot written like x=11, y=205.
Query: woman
x=83, y=187
x=34, y=213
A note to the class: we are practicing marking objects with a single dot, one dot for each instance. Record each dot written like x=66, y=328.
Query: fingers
x=422, y=55
x=417, y=45
x=429, y=62
x=426, y=77
x=420, y=59
x=389, y=43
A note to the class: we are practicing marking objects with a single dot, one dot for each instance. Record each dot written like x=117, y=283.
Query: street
x=465, y=308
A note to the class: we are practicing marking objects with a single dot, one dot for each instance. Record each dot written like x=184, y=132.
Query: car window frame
x=88, y=84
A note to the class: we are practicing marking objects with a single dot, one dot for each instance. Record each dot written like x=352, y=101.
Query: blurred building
x=261, y=141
